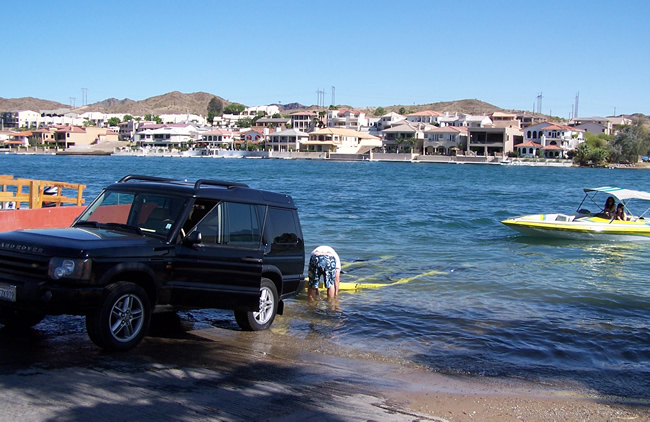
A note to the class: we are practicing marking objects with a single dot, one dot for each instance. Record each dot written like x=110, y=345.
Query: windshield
x=147, y=212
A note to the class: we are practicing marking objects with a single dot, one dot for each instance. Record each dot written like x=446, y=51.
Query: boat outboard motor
x=50, y=190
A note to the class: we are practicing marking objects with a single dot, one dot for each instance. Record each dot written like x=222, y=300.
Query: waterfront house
x=444, y=140
x=528, y=149
x=404, y=134
x=303, y=120
x=549, y=134
x=492, y=141
x=250, y=137
x=286, y=140
x=217, y=139
x=166, y=135
x=19, y=139
x=343, y=141
x=347, y=119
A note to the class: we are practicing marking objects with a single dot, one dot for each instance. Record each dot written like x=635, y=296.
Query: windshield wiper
x=124, y=226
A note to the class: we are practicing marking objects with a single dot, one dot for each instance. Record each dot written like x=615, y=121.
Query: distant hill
x=170, y=103
x=197, y=103
x=460, y=106
x=28, y=103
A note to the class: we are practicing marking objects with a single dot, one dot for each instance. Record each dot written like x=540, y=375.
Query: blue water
x=475, y=297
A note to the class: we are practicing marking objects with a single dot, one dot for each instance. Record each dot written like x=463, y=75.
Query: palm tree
x=399, y=141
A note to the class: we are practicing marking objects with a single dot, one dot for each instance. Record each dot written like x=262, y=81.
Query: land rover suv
x=149, y=244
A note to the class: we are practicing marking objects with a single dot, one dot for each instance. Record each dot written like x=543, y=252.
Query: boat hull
x=579, y=228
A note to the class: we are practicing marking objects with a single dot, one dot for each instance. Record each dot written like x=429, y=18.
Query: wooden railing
x=32, y=192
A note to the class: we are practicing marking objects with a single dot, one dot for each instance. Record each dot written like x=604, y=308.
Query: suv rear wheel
x=122, y=320
x=262, y=319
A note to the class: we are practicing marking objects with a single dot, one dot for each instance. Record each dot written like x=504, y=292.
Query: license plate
x=7, y=292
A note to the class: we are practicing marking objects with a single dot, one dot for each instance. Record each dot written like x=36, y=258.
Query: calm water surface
x=474, y=296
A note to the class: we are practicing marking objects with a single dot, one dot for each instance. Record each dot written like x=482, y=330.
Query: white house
x=551, y=135
x=344, y=141
x=347, y=119
x=286, y=140
x=166, y=136
x=217, y=139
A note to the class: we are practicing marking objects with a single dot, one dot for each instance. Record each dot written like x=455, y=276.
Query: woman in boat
x=620, y=212
x=610, y=208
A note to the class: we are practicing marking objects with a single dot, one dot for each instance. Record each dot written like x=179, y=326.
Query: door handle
x=252, y=260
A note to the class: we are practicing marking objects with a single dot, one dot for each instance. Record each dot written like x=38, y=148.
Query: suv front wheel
x=262, y=319
x=123, y=318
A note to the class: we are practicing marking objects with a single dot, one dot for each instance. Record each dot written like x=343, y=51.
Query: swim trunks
x=322, y=266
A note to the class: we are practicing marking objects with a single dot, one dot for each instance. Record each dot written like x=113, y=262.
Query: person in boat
x=620, y=212
x=610, y=208
x=324, y=263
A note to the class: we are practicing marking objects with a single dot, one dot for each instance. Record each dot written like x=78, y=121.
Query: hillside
x=197, y=103
x=28, y=103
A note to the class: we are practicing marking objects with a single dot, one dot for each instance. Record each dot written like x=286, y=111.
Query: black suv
x=150, y=244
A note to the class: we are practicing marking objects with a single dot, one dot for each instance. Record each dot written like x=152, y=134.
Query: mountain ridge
x=176, y=102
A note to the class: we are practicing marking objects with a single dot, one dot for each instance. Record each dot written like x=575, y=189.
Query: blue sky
x=375, y=53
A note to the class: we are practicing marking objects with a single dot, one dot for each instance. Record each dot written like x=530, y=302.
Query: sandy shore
x=417, y=394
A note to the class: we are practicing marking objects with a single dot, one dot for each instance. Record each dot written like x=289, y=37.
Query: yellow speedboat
x=587, y=225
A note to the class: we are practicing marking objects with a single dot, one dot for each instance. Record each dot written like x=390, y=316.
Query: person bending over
x=324, y=263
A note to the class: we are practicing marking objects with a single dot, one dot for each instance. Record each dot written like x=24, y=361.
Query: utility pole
x=539, y=103
x=72, y=101
x=575, y=110
x=333, y=96
x=84, y=96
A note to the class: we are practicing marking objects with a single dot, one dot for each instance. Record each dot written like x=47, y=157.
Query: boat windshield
x=144, y=212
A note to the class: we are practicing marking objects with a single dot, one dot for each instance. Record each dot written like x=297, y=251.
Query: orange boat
x=31, y=204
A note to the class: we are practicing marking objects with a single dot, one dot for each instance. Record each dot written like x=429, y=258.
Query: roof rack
x=209, y=182
x=144, y=178
x=197, y=185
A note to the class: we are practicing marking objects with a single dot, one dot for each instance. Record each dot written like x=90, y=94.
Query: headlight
x=78, y=269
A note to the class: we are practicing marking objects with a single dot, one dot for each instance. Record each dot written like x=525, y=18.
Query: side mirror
x=192, y=239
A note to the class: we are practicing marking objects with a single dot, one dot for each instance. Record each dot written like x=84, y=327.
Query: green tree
x=402, y=110
x=127, y=117
x=153, y=118
x=399, y=141
x=411, y=141
x=113, y=121
x=586, y=155
x=630, y=143
x=379, y=111
x=245, y=122
x=234, y=108
x=215, y=108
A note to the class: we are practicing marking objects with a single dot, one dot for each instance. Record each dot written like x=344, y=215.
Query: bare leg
x=312, y=293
